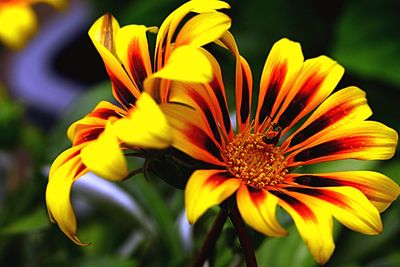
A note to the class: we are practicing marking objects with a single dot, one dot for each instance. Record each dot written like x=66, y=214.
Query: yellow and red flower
x=298, y=122
x=18, y=20
x=99, y=138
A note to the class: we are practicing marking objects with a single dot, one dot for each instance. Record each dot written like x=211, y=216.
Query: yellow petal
x=316, y=80
x=146, y=126
x=257, y=208
x=104, y=156
x=133, y=51
x=18, y=24
x=281, y=67
x=203, y=29
x=207, y=188
x=341, y=108
x=66, y=169
x=366, y=140
x=186, y=64
x=313, y=223
x=103, y=34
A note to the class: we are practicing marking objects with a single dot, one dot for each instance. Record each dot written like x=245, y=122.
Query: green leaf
x=285, y=251
x=367, y=40
x=35, y=221
x=106, y=261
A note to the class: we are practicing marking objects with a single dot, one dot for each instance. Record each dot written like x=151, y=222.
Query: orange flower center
x=258, y=163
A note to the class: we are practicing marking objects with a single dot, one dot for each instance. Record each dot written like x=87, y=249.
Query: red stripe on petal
x=122, y=93
x=333, y=115
x=219, y=94
x=136, y=64
x=104, y=113
x=217, y=179
x=334, y=147
x=197, y=136
x=328, y=196
x=209, y=116
x=272, y=90
x=88, y=135
x=302, y=98
x=326, y=181
x=302, y=209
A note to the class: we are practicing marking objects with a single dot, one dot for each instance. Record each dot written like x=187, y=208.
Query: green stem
x=211, y=239
x=244, y=238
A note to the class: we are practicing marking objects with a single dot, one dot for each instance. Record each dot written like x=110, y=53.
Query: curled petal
x=89, y=127
x=203, y=29
x=187, y=64
x=207, y=188
x=66, y=169
x=257, y=208
x=104, y=156
x=146, y=126
x=103, y=34
x=133, y=51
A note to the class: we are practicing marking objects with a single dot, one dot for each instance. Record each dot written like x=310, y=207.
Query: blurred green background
x=139, y=222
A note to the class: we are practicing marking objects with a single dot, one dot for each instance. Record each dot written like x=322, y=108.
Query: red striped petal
x=190, y=134
x=339, y=109
x=313, y=223
x=366, y=140
x=378, y=188
x=316, y=80
x=281, y=67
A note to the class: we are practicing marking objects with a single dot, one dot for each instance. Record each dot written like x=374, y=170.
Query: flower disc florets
x=258, y=163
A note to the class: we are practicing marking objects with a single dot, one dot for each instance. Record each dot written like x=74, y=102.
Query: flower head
x=18, y=20
x=99, y=139
x=298, y=122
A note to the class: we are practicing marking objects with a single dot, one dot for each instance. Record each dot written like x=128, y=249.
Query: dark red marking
x=122, y=93
x=333, y=147
x=275, y=84
x=197, y=136
x=302, y=209
x=256, y=195
x=302, y=98
x=136, y=64
x=328, y=196
x=104, y=113
x=217, y=179
x=89, y=135
x=205, y=108
x=333, y=115
x=222, y=104
x=245, y=104
x=325, y=181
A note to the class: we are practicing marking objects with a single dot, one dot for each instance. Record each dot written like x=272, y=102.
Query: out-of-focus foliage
x=363, y=37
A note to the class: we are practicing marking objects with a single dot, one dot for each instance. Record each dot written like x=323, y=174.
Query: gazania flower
x=138, y=123
x=297, y=122
x=18, y=20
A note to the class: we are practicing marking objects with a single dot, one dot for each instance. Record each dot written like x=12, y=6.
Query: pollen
x=258, y=163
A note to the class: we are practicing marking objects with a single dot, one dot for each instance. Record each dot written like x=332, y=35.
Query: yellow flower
x=99, y=138
x=18, y=20
x=297, y=122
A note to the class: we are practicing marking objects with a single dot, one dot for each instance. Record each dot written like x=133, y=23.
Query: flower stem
x=244, y=238
x=211, y=239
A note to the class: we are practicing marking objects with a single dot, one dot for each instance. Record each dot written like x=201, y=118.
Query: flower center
x=257, y=162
